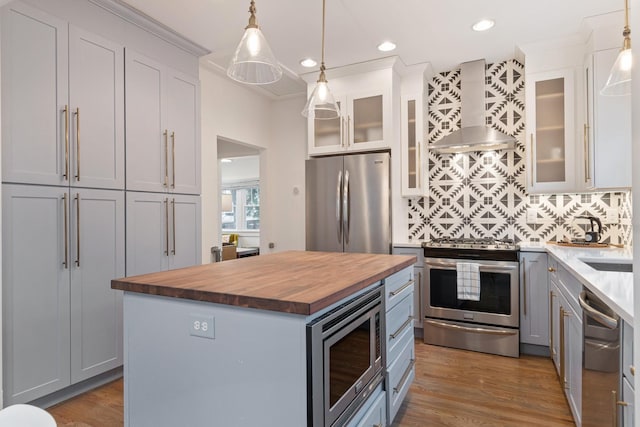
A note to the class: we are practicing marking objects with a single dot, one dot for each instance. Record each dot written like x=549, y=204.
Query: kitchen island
x=226, y=343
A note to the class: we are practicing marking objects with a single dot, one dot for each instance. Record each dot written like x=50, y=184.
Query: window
x=245, y=212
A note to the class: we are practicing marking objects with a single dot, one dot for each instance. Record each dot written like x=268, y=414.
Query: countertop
x=613, y=288
x=296, y=282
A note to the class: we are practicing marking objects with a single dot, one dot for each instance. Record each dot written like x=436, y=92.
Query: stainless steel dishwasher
x=600, y=362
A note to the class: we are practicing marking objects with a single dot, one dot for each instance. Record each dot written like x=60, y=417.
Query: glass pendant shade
x=619, y=81
x=253, y=61
x=321, y=104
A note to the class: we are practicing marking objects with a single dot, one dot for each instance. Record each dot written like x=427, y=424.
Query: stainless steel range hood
x=474, y=135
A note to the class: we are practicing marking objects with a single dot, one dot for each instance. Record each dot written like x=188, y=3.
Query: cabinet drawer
x=627, y=353
x=570, y=286
x=373, y=412
x=418, y=252
x=397, y=286
x=400, y=375
x=399, y=325
x=553, y=268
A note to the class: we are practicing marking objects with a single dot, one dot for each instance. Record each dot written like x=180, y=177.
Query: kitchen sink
x=624, y=267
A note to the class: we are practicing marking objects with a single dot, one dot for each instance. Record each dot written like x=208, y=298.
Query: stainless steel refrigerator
x=348, y=203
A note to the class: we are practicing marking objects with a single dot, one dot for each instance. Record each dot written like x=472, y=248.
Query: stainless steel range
x=471, y=295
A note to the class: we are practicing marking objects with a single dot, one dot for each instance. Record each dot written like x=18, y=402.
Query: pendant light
x=253, y=61
x=321, y=104
x=619, y=81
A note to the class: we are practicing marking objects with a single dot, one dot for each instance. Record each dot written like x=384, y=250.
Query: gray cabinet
x=534, y=299
x=607, y=128
x=162, y=127
x=63, y=99
x=97, y=235
x=418, y=276
x=163, y=232
x=627, y=379
x=61, y=319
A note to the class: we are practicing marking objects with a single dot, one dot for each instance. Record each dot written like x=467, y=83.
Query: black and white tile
x=483, y=194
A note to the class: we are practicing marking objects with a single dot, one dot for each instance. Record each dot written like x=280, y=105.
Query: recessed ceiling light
x=226, y=160
x=308, y=62
x=483, y=25
x=386, y=46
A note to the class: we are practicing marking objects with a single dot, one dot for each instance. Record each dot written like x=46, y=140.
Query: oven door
x=499, y=293
x=345, y=359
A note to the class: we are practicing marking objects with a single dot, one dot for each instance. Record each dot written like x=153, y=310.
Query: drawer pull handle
x=633, y=370
x=404, y=377
x=401, y=328
x=551, y=270
x=399, y=290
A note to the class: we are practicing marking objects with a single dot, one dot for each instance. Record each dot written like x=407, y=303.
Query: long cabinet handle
x=166, y=221
x=339, y=207
x=524, y=285
x=348, y=130
x=403, y=378
x=473, y=330
x=173, y=160
x=77, y=199
x=563, y=369
x=587, y=154
x=402, y=288
x=77, y=114
x=551, y=349
x=66, y=232
x=343, y=131
x=66, y=143
x=418, y=165
x=173, y=213
x=394, y=335
x=346, y=211
x=632, y=369
x=166, y=157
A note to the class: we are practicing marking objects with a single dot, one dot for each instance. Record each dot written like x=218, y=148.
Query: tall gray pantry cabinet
x=64, y=192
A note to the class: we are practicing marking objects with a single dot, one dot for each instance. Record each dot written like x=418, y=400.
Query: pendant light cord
x=323, y=18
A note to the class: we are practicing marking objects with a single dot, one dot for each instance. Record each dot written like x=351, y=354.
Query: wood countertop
x=296, y=282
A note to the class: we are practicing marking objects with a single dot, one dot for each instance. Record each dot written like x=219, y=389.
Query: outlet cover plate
x=202, y=326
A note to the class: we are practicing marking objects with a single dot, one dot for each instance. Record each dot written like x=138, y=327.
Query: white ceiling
x=435, y=31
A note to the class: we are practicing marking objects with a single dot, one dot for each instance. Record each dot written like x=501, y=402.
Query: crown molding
x=147, y=23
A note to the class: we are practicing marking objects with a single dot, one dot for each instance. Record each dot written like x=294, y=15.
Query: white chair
x=25, y=416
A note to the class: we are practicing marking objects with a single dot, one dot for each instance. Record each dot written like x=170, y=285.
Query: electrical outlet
x=202, y=326
x=532, y=216
x=612, y=216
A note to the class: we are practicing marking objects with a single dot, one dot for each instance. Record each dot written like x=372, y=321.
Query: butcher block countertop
x=296, y=282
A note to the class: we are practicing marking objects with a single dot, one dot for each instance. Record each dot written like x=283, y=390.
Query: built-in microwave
x=345, y=359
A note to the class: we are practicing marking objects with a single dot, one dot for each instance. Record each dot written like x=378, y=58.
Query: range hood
x=474, y=135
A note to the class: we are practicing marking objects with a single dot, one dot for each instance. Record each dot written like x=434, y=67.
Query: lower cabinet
x=534, y=296
x=418, y=276
x=627, y=379
x=400, y=352
x=566, y=335
x=62, y=322
x=163, y=232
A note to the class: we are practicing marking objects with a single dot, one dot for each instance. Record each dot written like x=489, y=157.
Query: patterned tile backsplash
x=483, y=194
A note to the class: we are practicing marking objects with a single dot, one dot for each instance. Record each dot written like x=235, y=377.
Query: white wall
x=238, y=113
x=241, y=169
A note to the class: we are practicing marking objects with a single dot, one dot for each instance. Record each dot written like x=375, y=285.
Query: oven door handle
x=474, y=330
x=484, y=267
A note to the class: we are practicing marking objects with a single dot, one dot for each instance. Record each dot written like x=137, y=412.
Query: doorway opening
x=239, y=198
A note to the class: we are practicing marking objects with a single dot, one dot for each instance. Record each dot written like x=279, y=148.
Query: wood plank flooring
x=452, y=388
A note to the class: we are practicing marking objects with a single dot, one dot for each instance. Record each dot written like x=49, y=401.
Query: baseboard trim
x=534, y=350
x=77, y=389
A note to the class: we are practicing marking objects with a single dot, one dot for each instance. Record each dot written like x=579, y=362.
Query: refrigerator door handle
x=346, y=214
x=339, y=207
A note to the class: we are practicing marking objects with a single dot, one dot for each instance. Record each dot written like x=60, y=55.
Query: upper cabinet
x=550, y=104
x=162, y=105
x=365, y=121
x=607, y=127
x=412, y=144
x=63, y=119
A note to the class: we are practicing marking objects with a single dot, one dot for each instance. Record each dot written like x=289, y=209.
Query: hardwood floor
x=452, y=388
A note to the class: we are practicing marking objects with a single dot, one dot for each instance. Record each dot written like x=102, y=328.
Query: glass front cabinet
x=550, y=144
x=413, y=148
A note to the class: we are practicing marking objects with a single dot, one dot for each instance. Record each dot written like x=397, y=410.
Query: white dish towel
x=468, y=281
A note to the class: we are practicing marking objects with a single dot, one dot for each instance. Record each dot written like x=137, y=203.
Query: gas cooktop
x=488, y=243
x=468, y=248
